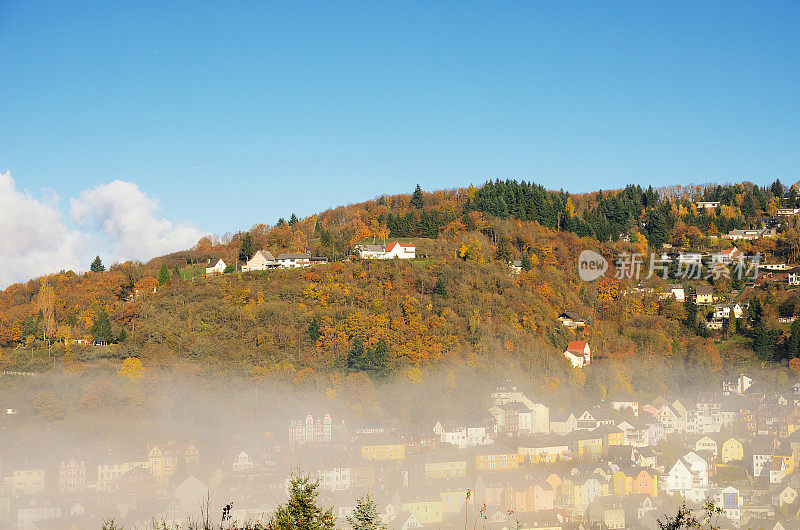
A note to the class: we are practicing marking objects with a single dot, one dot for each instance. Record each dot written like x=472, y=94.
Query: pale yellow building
x=27, y=482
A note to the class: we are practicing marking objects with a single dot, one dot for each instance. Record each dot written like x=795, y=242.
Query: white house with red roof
x=578, y=353
x=400, y=251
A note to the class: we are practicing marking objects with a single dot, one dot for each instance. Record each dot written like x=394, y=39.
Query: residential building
x=313, y=429
x=261, y=260
x=578, y=353
x=572, y=321
x=398, y=250
x=72, y=476
x=294, y=260
x=496, y=457
x=704, y=294
x=370, y=251
x=163, y=460
x=27, y=482
x=217, y=268
x=382, y=448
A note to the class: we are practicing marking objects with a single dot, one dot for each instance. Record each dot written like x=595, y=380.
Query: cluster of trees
x=372, y=360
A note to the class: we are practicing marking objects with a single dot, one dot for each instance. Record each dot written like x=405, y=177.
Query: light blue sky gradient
x=233, y=113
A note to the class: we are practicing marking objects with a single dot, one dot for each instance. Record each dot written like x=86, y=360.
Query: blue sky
x=233, y=113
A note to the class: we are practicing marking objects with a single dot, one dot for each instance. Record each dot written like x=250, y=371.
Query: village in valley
x=518, y=463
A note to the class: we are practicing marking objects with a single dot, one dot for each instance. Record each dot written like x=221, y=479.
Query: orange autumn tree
x=794, y=365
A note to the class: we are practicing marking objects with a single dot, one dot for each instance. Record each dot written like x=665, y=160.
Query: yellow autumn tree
x=131, y=369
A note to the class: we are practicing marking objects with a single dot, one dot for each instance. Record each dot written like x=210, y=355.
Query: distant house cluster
x=264, y=260
x=619, y=462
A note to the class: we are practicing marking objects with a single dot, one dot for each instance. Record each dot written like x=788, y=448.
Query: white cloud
x=33, y=237
x=116, y=220
x=126, y=218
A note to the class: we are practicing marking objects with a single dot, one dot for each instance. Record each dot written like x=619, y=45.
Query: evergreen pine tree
x=440, y=289
x=657, y=231
x=748, y=207
x=793, y=344
x=97, y=265
x=246, y=249
x=469, y=224
x=293, y=220
x=366, y=516
x=503, y=252
x=764, y=342
x=357, y=357
x=313, y=330
x=377, y=360
x=301, y=511
x=691, y=313
x=417, y=199
x=163, y=274
x=122, y=335
x=526, y=262
x=101, y=329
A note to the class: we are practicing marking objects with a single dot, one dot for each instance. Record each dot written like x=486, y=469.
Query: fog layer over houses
x=499, y=451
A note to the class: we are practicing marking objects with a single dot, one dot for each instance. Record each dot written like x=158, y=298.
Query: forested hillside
x=457, y=303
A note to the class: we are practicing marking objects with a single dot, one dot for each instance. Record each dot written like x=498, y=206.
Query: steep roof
x=577, y=346
x=396, y=244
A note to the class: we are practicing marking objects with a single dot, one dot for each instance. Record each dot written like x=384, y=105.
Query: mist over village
x=507, y=266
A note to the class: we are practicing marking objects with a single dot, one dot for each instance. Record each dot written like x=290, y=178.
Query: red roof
x=392, y=245
x=577, y=346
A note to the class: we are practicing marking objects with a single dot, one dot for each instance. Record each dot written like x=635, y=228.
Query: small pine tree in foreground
x=301, y=511
x=365, y=515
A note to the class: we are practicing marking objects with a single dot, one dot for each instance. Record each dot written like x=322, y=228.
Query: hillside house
x=163, y=460
x=464, y=433
x=400, y=251
x=688, y=477
x=261, y=260
x=731, y=450
x=707, y=205
x=727, y=255
x=777, y=470
x=729, y=500
x=793, y=276
x=578, y=353
x=761, y=458
x=722, y=311
x=786, y=212
x=563, y=423
x=370, y=251
x=295, y=260
x=544, y=450
x=72, y=476
x=750, y=234
x=625, y=402
x=704, y=294
x=738, y=385
x=678, y=292
x=217, y=268
x=311, y=429
x=572, y=321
